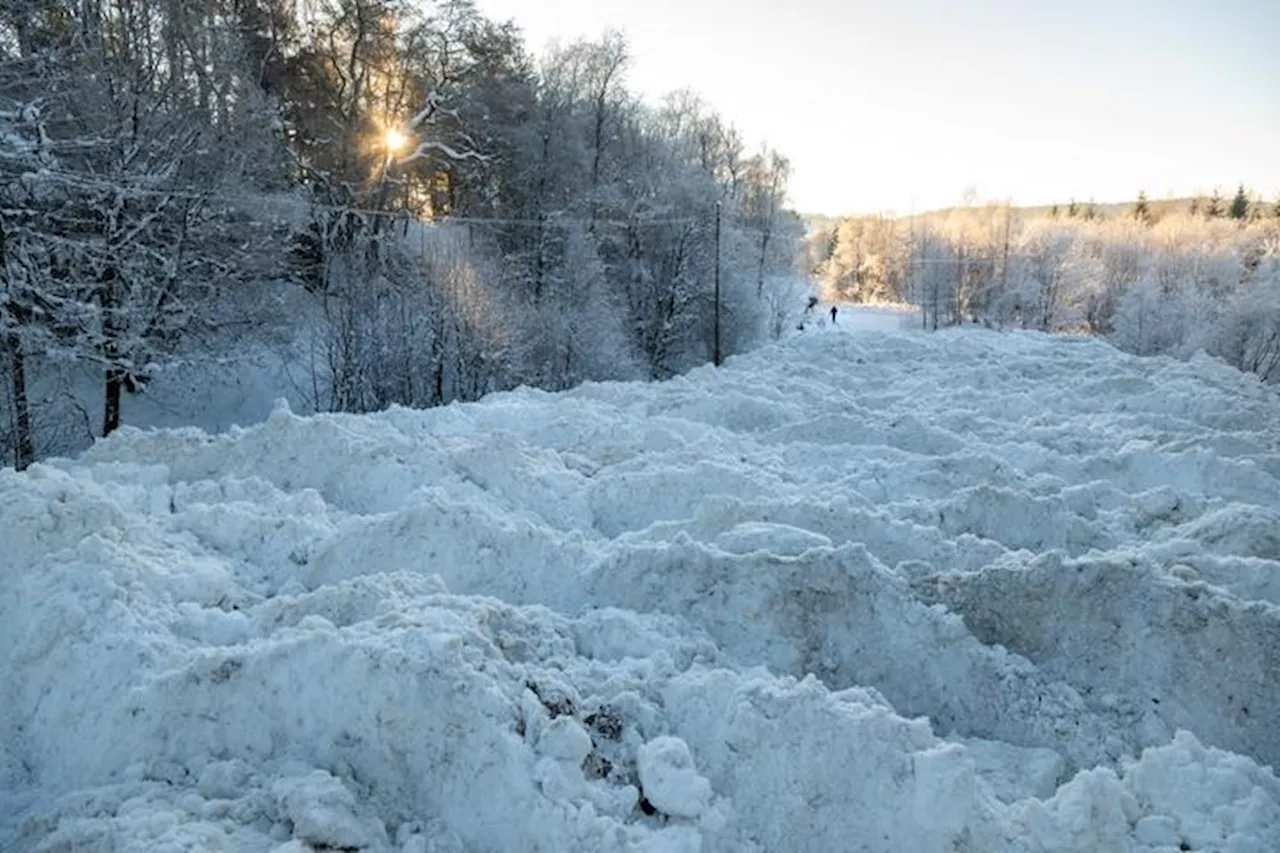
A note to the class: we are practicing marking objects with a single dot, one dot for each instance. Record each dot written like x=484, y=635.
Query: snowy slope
x=866, y=589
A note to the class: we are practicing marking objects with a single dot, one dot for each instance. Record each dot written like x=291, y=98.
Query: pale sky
x=903, y=104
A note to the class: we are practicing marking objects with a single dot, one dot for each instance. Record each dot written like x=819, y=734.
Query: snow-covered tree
x=133, y=120
x=460, y=218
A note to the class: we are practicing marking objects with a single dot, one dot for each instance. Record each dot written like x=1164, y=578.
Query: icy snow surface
x=861, y=590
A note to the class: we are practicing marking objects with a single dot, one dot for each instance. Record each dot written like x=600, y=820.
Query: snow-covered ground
x=866, y=589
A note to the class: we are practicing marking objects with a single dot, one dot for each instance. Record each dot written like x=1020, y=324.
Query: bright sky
x=904, y=104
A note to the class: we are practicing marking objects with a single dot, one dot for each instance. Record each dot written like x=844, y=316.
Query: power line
x=89, y=182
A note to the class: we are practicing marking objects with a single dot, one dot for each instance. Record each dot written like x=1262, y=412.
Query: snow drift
x=875, y=591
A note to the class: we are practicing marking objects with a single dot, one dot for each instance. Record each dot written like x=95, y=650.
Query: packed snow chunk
x=1249, y=531
x=669, y=780
x=1015, y=772
x=1181, y=796
x=1158, y=831
x=1153, y=653
x=612, y=634
x=566, y=740
x=843, y=616
x=1217, y=799
x=1092, y=812
x=323, y=812
x=808, y=769
x=224, y=780
x=781, y=539
x=150, y=817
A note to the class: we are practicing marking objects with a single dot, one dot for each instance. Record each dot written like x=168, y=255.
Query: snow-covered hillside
x=861, y=590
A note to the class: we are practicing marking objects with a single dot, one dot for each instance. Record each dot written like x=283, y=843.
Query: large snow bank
x=872, y=591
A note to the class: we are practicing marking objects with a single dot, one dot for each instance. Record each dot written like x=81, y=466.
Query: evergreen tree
x=1213, y=208
x=1239, y=209
x=1142, y=210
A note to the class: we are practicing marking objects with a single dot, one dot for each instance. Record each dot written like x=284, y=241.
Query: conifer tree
x=1213, y=207
x=1239, y=209
x=1142, y=209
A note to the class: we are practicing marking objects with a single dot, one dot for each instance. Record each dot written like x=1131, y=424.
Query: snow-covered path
x=864, y=318
x=876, y=590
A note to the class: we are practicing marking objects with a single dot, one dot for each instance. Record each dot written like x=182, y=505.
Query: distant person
x=833, y=315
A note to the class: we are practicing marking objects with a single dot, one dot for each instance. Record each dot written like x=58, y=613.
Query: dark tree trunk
x=764, y=250
x=111, y=407
x=24, y=452
x=115, y=379
x=23, y=446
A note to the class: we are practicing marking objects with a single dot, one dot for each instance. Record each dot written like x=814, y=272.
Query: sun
x=395, y=140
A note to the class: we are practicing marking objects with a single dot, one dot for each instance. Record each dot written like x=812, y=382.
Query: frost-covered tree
x=645, y=184
x=1174, y=286
x=1109, y=263
x=1249, y=335
x=24, y=296
x=421, y=326
x=864, y=262
x=933, y=272
x=460, y=218
x=134, y=119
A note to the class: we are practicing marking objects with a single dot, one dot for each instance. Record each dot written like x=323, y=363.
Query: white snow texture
x=861, y=590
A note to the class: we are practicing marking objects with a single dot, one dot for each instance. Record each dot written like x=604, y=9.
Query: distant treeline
x=1169, y=277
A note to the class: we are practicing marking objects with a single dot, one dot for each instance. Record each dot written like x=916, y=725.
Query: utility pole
x=716, y=356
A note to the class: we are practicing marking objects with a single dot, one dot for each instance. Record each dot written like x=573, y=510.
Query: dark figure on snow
x=833, y=315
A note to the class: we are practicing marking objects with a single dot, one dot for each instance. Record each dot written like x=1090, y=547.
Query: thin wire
x=88, y=182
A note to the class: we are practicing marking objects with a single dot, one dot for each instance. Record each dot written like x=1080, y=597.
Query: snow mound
x=862, y=590
x=669, y=780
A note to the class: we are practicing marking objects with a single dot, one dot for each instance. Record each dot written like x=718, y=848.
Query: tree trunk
x=764, y=250
x=108, y=299
x=539, y=270
x=111, y=407
x=24, y=452
x=23, y=447
x=599, y=140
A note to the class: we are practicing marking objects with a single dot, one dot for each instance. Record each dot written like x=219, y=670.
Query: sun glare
x=395, y=140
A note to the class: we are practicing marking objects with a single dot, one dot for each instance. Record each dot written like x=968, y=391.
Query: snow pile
x=873, y=591
x=670, y=783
